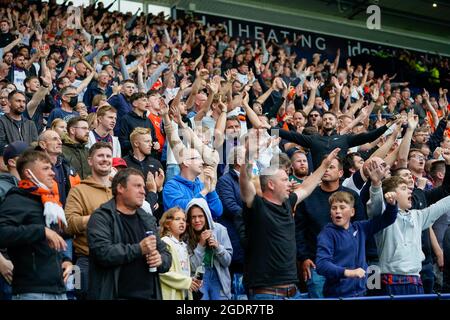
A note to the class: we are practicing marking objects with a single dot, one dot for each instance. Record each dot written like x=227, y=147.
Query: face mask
x=73, y=102
x=36, y=181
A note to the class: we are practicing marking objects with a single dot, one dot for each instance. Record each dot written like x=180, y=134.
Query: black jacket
x=107, y=253
x=10, y=131
x=322, y=145
x=149, y=164
x=37, y=267
x=129, y=122
x=423, y=199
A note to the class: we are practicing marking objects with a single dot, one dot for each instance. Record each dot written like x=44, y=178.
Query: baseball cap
x=13, y=150
x=119, y=162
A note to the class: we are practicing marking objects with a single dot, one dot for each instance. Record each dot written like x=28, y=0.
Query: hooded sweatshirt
x=222, y=255
x=400, y=245
x=82, y=201
x=339, y=249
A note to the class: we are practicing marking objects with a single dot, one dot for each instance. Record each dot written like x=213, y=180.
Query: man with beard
x=106, y=121
x=83, y=200
x=17, y=72
x=300, y=168
x=14, y=127
x=330, y=139
x=69, y=100
x=8, y=58
x=299, y=121
x=74, y=146
x=122, y=102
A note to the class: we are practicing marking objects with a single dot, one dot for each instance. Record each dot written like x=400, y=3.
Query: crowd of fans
x=164, y=159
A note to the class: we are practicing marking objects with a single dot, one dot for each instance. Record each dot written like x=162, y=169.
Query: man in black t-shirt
x=120, y=252
x=270, y=261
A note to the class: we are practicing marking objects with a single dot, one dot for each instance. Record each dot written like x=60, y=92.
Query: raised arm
x=11, y=45
x=38, y=96
x=195, y=87
x=172, y=137
x=219, y=130
x=252, y=116
x=212, y=90
x=86, y=82
x=312, y=96
x=336, y=107
x=384, y=149
x=413, y=121
x=247, y=189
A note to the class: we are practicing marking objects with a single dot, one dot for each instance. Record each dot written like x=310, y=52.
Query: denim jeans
x=172, y=171
x=237, y=287
x=265, y=296
x=427, y=276
x=315, y=285
x=5, y=290
x=211, y=288
x=39, y=296
x=83, y=264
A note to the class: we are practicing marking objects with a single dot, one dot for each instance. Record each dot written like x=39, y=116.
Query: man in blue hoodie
x=341, y=245
x=186, y=186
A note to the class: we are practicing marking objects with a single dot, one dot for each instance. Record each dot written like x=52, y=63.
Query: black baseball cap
x=13, y=150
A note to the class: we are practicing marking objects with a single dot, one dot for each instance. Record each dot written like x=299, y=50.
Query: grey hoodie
x=222, y=255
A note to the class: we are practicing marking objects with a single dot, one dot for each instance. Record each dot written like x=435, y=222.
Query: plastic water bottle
x=150, y=233
x=199, y=272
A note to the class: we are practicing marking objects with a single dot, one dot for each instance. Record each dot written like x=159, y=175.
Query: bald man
x=182, y=188
x=65, y=175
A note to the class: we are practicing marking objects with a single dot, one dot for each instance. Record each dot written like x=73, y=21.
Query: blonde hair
x=165, y=219
x=98, y=98
x=137, y=132
x=101, y=111
x=92, y=120
x=56, y=122
x=342, y=196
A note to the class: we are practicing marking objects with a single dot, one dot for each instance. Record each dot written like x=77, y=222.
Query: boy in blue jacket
x=341, y=245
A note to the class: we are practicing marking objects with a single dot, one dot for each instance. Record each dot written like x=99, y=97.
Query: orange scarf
x=53, y=211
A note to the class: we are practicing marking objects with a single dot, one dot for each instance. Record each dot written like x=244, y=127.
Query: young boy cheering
x=400, y=245
x=341, y=253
